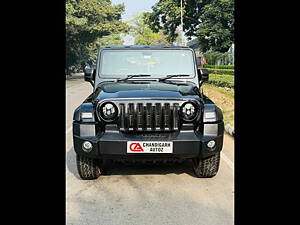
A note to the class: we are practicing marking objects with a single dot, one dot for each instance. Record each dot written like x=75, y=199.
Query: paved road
x=139, y=194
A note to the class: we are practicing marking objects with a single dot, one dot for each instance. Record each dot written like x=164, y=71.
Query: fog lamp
x=211, y=144
x=87, y=146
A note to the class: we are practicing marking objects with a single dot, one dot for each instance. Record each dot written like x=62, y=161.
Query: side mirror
x=88, y=74
x=203, y=75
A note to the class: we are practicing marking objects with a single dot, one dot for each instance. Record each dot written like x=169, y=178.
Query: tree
x=87, y=21
x=212, y=21
x=143, y=34
x=216, y=30
x=112, y=39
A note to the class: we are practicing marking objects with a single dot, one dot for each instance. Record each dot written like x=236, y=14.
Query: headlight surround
x=189, y=111
x=108, y=111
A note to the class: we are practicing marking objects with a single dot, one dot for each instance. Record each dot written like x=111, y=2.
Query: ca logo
x=136, y=147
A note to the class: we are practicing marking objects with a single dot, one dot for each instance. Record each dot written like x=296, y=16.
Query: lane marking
x=227, y=160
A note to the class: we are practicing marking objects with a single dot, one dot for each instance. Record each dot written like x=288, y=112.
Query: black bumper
x=186, y=144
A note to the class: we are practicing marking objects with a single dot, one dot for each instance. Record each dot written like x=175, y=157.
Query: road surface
x=139, y=194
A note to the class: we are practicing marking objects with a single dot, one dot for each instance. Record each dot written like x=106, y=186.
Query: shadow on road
x=71, y=163
x=118, y=168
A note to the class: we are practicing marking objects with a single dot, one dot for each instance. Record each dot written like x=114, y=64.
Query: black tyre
x=88, y=168
x=207, y=167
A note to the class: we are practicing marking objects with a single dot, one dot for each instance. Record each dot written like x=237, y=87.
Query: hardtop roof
x=143, y=47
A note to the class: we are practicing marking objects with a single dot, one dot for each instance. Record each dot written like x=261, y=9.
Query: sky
x=132, y=8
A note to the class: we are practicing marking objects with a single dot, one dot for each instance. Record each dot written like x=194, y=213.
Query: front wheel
x=207, y=167
x=88, y=168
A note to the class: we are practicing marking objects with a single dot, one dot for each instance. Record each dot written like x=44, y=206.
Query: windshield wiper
x=136, y=75
x=175, y=75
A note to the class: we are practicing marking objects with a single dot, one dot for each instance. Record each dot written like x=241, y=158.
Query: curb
x=73, y=77
x=229, y=130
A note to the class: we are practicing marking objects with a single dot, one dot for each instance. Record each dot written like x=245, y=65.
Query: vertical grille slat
x=158, y=116
x=122, y=117
x=140, y=116
x=175, y=116
x=167, y=116
x=154, y=116
x=130, y=116
x=149, y=116
x=126, y=117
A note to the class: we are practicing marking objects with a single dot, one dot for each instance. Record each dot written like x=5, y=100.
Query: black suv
x=146, y=105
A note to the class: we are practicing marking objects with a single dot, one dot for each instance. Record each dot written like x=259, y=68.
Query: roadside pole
x=181, y=15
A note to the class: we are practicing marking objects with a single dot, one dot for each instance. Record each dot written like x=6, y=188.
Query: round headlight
x=108, y=111
x=189, y=111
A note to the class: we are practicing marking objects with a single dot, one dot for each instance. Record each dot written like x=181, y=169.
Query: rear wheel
x=207, y=167
x=88, y=168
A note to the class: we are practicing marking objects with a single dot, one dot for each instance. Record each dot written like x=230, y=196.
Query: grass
x=221, y=71
x=219, y=66
x=221, y=80
x=224, y=99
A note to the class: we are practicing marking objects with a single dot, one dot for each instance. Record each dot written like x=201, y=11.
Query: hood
x=145, y=89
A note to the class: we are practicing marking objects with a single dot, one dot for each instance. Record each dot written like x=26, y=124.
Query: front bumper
x=186, y=144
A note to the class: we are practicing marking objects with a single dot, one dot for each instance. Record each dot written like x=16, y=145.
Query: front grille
x=154, y=116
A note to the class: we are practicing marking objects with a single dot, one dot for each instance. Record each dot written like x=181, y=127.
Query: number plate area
x=149, y=147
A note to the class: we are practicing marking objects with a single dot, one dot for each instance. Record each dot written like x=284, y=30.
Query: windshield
x=157, y=63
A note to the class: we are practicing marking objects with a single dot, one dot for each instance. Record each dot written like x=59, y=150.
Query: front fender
x=212, y=120
x=210, y=108
x=84, y=107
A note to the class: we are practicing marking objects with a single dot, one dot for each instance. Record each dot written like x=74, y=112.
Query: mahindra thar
x=147, y=105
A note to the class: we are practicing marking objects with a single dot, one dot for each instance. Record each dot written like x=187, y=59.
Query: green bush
x=221, y=71
x=214, y=58
x=221, y=80
x=219, y=66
